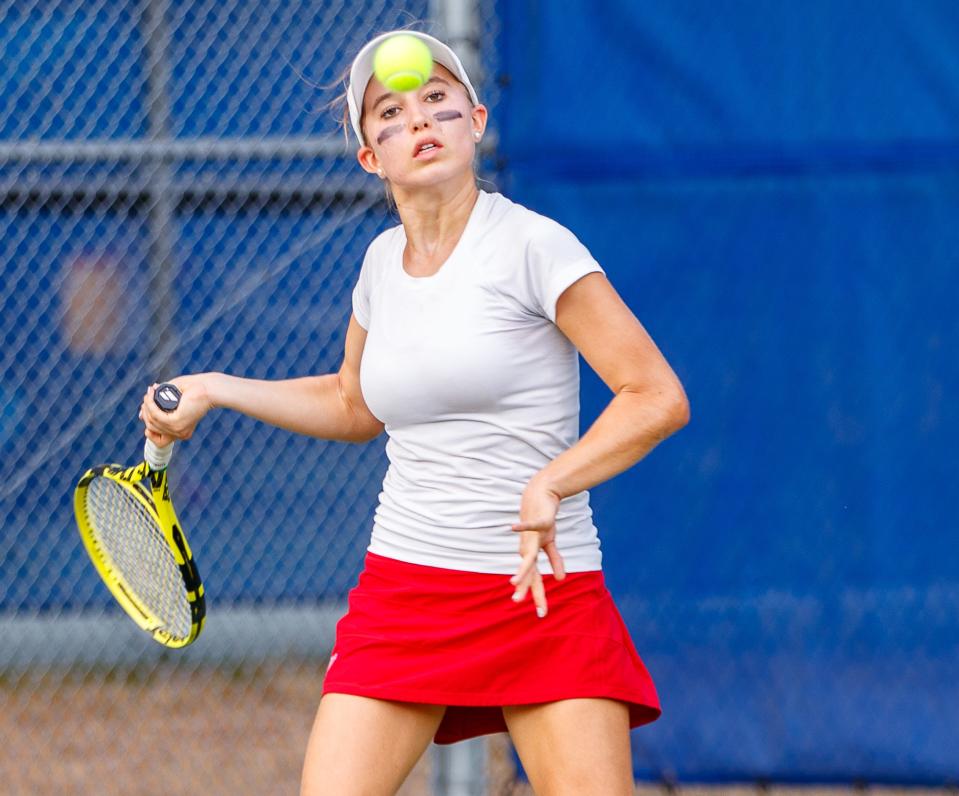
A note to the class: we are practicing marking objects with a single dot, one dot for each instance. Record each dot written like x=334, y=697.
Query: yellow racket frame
x=157, y=503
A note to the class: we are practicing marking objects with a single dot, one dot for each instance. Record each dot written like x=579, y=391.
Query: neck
x=436, y=215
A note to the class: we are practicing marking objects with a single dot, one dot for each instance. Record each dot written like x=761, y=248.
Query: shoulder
x=537, y=258
x=537, y=233
x=521, y=220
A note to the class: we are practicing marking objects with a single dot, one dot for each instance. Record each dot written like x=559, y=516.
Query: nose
x=419, y=120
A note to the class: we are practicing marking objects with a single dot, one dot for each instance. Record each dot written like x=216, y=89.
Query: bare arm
x=330, y=406
x=648, y=404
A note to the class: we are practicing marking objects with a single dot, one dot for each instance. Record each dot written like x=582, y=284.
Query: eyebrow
x=388, y=94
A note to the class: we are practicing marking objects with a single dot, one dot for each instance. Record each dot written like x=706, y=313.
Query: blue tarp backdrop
x=773, y=187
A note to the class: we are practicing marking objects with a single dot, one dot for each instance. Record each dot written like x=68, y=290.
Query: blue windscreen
x=772, y=189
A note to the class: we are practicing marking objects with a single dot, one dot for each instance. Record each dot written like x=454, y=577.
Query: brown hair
x=341, y=108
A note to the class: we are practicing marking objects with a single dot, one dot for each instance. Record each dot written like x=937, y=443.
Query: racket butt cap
x=167, y=396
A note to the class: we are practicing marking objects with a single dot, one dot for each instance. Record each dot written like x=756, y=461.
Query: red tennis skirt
x=414, y=633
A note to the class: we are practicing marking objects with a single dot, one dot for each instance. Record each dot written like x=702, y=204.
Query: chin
x=436, y=173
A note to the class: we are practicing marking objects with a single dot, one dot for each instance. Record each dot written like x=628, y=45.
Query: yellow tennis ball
x=402, y=62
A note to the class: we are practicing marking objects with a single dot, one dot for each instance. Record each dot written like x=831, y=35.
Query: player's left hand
x=537, y=531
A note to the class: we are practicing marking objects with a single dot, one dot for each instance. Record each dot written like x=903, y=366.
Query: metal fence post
x=160, y=201
x=460, y=769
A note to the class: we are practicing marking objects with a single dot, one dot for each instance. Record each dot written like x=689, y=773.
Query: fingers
x=534, y=525
x=175, y=425
x=539, y=595
x=528, y=578
x=151, y=430
x=533, y=582
x=525, y=567
x=150, y=414
x=160, y=440
x=555, y=560
x=538, y=509
x=157, y=427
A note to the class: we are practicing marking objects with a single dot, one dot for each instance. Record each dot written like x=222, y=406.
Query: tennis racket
x=131, y=532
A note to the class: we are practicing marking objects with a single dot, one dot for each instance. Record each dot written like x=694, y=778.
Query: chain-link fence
x=176, y=196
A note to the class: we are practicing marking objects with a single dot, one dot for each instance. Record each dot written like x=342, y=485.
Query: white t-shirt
x=477, y=388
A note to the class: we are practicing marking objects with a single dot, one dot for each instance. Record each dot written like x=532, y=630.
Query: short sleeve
x=555, y=259
x=361, y=292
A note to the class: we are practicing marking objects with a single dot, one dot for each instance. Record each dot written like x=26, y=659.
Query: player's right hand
x=165, y=427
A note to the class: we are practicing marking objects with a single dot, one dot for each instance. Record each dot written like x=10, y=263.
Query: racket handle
x=157, y=458
x=167, y=397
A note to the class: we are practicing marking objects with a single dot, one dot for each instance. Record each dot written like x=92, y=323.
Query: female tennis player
x=481, y=606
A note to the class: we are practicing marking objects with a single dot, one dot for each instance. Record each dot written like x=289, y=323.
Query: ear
x=479, y=115
x=367, y=159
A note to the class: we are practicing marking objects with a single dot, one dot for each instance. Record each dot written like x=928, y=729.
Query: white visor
x=362, y=71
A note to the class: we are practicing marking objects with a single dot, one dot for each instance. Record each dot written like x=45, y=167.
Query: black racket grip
x=167, y=396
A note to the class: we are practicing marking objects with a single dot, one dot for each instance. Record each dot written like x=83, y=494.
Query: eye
x=438, y=94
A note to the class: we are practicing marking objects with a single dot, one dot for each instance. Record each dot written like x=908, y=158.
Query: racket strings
x=135, y=546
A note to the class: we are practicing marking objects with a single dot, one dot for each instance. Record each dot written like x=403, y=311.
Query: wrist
x=213, y=386
x=544, y=482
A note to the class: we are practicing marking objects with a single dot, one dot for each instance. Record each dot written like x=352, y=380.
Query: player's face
x=396, y=126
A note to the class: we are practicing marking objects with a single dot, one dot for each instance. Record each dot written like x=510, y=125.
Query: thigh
x=574, y=746
x=365, y=746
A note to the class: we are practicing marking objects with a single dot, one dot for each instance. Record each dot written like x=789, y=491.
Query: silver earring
x=477, y=134
x=379, y=173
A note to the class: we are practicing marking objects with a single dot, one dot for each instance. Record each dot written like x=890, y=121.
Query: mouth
x=424, y=147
